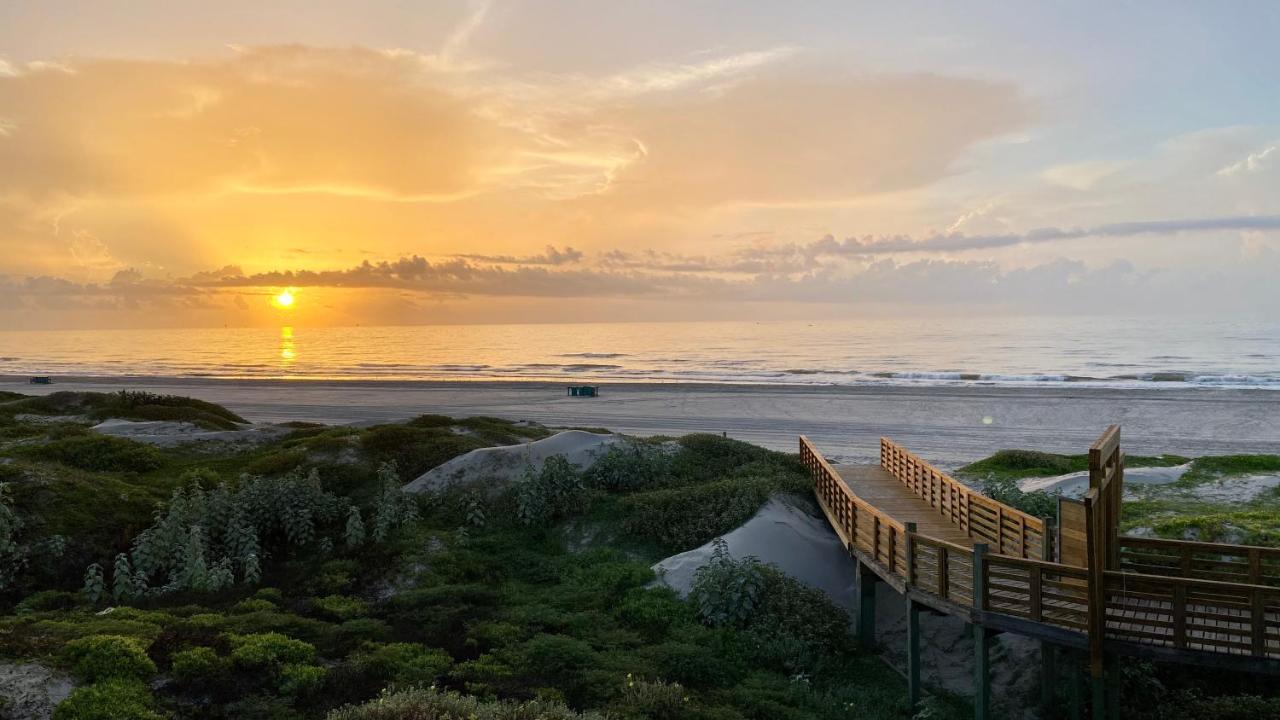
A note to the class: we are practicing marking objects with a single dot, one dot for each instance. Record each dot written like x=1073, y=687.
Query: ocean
x=1093, y=351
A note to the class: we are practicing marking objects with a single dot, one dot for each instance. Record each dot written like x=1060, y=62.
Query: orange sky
x=445, y=181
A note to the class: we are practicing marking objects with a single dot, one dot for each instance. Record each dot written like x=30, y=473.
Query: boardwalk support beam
x=981, y=639
x=913, y=627
x=867, y=580
x=1048, y=677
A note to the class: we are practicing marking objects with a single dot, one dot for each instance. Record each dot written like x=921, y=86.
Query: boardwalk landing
x=1097, y=594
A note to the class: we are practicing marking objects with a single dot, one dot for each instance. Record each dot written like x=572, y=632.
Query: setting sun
x=284, y=300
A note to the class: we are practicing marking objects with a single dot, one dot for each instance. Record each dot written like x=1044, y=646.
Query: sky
x=170, y=164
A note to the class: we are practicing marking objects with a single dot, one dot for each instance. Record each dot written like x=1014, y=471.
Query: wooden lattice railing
x=1226, y=601
x=1007, y=530
x=1020, y=587
x=1247, y=564
x=1193, y=614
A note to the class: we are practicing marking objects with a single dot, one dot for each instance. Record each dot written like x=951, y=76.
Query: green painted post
x=1098, y=687
x=1077, y=683
x=1048, y=676
x=981, y=639
x=867, y=580
x=913, y=654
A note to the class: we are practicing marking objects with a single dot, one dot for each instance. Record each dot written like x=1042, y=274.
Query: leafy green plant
x=548, y=493
x=115, y=699
x=97, y=657
x=726, y=591
x=629, y=466
x=1006, y=490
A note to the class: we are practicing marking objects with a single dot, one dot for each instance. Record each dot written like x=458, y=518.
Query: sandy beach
x=950, y=425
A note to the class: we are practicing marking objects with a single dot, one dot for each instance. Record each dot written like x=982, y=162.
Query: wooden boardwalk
x=880, y=488
x=948, y=548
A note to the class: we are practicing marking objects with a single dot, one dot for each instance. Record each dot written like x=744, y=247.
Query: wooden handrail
x=995, y=522
x=1187, y=613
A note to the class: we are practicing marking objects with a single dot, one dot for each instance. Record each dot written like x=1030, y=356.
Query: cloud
x=959, y=242
x=552, y=256
x=1254, y=162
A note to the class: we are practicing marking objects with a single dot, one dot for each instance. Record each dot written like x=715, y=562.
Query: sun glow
x=284, y=300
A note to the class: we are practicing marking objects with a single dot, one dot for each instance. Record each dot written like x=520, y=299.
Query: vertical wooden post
x=909, y=537
x=944, y=571
x=913, y=654
x=1048, y=677
x=867, y=580
x=981, y=639
x=1096, y=579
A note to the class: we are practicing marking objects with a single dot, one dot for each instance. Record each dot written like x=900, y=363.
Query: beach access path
x=947, y=425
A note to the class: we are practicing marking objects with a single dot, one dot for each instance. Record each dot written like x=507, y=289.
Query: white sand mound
x=783, y=535
x=1074, y=485
x=507, y=463
x=165, y=433
x=946, y=656
x=29, y=691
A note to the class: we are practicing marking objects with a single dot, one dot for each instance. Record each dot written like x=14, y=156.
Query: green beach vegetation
x=290, y=578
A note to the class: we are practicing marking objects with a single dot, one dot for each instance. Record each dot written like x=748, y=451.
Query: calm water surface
x=1093, y=351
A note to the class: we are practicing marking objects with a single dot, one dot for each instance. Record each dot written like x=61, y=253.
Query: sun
x=284, y=300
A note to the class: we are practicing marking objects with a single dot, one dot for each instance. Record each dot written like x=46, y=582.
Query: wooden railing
x=1038, y=591
x=1247, y=564
x=1007, y=530
x=1193, y=614
x=1025, y=588
x=859, y=524
x=1224, y=599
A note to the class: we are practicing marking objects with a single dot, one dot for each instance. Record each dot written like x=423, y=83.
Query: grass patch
x=1213, y=467
x=1020, y=464
x=97, y=452
x=129, y=405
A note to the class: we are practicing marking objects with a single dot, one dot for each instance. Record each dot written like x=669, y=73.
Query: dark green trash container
x=583, y=391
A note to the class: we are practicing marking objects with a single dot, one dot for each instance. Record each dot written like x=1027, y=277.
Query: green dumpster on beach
x=583, y=391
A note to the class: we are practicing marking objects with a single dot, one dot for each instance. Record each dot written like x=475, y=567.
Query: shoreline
x=949, y=425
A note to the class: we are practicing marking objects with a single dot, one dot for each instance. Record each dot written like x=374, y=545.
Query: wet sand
x=947, y=425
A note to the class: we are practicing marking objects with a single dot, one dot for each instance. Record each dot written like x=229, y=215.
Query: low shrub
x=726, y=591
x=301, y=680
x=269, y=650
x=682, y=518
x=198, y=666
x=98, y=657
x=49, y=600
x=339, y=607
x=402, y=664
x=99, y=452
x=629, y=466
x=549, y=493
x=114, y=699
x=432, y=704
x=1006, y=490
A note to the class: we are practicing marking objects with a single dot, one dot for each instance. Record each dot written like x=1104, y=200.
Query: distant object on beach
x=41, y=380
x=584, y=390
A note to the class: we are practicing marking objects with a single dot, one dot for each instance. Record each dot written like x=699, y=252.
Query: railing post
x=944, y=571
x=1179, y=615
x=1033, y=586
x=980, y=576
x=909, y=537
x=875, y=537
x=1259, y=606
